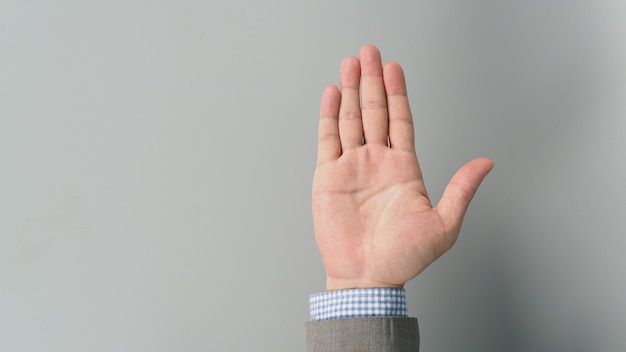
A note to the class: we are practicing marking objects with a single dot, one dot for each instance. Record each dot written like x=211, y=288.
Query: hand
x=374, y=223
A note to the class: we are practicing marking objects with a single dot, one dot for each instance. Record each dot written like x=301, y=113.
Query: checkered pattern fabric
x=358, y=303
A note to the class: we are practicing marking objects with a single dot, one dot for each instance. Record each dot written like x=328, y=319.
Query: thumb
x=459, y=193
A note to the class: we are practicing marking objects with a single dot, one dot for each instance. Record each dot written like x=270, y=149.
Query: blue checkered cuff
x=358, y=303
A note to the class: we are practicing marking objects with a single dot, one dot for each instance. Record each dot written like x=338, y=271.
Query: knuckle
x=350, y=115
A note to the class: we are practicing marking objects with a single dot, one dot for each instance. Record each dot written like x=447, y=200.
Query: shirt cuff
x=358, y=303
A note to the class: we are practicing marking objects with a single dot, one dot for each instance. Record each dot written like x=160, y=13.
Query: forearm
x=373, y=319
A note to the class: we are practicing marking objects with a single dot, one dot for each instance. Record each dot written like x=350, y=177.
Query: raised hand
x=374, y=223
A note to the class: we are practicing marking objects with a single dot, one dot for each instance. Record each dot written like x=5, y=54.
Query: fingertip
x=369, y=48
x=329, y=146
x=331, y=98
x=394, y=78
x=350, y=62
x=330, y=90
x=492, y=162
x=393, y=65
x=481, y=165
x=394, y=68
x=370, y=53
x=350, y=74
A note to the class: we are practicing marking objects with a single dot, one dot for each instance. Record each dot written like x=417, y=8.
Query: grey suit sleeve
x=380, y=334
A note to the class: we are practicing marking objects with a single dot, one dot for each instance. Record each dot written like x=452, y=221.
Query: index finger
x=401, y=133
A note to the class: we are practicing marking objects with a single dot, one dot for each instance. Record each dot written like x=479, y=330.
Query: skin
x=374, y=223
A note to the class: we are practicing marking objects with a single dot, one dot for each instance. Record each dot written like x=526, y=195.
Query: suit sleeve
x=380, y=334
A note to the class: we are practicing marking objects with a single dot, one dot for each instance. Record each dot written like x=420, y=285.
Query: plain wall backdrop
x=156, y=160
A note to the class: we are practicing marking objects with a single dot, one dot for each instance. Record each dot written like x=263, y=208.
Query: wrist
x=335, y=284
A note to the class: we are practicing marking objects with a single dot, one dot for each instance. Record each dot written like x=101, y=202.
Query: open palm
x=374, y=223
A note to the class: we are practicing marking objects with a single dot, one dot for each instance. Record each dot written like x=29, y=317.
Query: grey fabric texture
x=380, y=334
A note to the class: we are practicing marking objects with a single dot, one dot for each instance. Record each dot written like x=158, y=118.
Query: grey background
x=156, y=160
